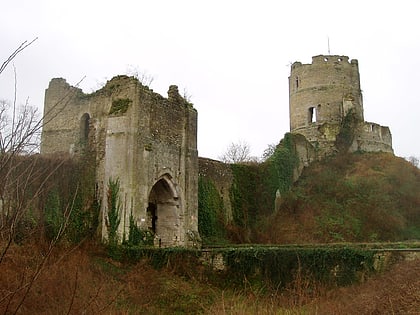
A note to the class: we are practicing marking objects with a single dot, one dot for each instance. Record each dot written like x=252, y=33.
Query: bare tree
x=186, y=95
x=268, y=152
x=239, y=152
x=23, y=182
x=414, y=160
x=142, y=76
x=20, y=130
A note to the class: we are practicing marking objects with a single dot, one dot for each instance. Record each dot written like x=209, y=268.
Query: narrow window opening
x=297, y=82
x=84, y=128
x=311, y=115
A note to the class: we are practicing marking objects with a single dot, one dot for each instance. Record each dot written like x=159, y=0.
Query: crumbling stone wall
x=146, y=141
x=220, y=174
x=321, y=94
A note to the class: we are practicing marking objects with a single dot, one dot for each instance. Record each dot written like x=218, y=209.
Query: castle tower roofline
x=327, y=59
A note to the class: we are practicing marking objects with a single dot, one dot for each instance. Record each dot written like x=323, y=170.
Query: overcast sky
x=232, y=57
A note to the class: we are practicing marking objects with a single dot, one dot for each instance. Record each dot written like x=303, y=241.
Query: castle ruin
x=146, y=141
x=149, y=143
x=325, y=96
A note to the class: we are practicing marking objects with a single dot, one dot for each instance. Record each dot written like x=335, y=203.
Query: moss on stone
x=119, y=106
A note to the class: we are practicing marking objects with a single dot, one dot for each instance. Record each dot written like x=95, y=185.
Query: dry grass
x=68, y=282
x=83, y=280
x=394, y=292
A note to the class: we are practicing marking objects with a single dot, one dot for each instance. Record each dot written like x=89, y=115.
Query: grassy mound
x=353, y=197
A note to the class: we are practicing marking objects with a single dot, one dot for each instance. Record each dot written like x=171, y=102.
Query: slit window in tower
x=311, y=115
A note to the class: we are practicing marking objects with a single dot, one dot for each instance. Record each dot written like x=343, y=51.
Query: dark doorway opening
x=151, y=213
x=163, y=213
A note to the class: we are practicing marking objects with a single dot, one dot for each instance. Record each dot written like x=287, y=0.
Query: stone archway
x=163, y=213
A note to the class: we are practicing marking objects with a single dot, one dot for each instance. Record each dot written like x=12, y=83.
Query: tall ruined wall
x=146, y=141
x=220, y=174
x=64, y=106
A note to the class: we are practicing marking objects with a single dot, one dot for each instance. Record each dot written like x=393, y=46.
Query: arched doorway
x=163, y=212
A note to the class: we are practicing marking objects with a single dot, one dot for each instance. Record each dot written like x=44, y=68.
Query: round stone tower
x=323, y=91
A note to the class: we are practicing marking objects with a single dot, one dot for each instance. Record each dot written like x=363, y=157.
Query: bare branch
x=414, y=160
x=142, y=76
x=22, y=46
x=239, y=152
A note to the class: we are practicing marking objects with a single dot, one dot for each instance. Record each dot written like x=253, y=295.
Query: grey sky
x=232, y=57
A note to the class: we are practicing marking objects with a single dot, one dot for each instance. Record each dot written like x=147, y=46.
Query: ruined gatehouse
x=145, y=141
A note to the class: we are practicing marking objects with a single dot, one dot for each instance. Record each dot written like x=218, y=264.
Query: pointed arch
x=163, y=212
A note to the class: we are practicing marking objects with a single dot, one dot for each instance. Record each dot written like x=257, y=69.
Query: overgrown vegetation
x=210, y=212
x=276, y=267
x=113, y=211
x=119, y=106
x=49, y=196
x=70, y=205
x=252, y=195
x=284, y=162
x=138, y=236
x=346, y=135
x=84, y=279
x=353, y=197
x=359, y=197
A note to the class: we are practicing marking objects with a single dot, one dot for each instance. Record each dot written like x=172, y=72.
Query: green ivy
x=210, y=210
x=347, y=132
x=138, y=236
x=277, y=266
x=284, y=162
x=114, y=207
x=83, y=222
x=53, y=215
x=243, y=194
x=254, y=186
x=119, y=106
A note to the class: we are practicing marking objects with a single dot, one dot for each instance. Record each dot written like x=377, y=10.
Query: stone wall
x=221, y=176
x=146, y=141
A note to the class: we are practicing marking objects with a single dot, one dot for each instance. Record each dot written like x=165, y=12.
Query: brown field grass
x=83, y=280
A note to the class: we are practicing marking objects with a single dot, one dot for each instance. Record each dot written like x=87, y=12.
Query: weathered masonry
x=146, y=141
x=325, y=98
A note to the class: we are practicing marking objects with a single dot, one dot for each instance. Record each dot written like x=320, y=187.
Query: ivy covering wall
x=252, y=194
x=210, y=211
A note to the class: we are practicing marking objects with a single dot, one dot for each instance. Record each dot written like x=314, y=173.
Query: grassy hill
x=353, y=198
